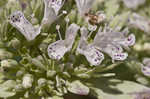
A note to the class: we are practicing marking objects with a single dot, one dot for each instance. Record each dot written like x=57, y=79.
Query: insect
x=18, y=20
x=94, y=18
x=94, y=56
x=57, y=49
x=84, y=7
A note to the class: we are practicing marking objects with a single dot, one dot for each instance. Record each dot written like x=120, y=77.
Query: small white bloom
x=57, y=49
x=51, y=10
x=139, y=22
x=27, y=81
x=18, y=20
x=111, y=42
x=94, y=56
x=133, y=3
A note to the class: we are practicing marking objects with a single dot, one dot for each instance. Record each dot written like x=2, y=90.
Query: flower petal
x=119, y=56
x=18, y=20
x=84, y=6
x=146, y=70
x=57, y=50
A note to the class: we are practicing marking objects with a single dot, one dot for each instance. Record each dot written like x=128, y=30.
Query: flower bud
x=19, y=73
x=34, y=21
x=27, y=81
x=38, y=64
x=51, y=73
x=15, y=43
x=18, y=88
x=77, y=87
x=26, y=95
x=5, y=54
x=40, y=93
x=42, y=82
x=9, y=63
x=83, y=75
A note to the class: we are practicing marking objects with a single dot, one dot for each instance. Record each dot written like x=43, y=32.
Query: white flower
x=133, y=3
x=51, y=10
x=111, y=42
x=140, y=22
x=94, y=56
x=57, y=49
x=18, y=20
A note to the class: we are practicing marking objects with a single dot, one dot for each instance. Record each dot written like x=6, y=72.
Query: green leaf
x=3, y=2
x=55, y=97
x=77, y=87
x=6, y=94
x=7, y=85
x=5, y=54
x=116, y=89
x=102, y=95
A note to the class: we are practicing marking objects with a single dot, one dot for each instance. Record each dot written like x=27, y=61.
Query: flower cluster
x=36, y=62
x=107, y=40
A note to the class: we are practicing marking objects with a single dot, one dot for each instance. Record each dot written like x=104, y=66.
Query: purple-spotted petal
x=146, y=70
x=130, y=40
x=119, y=56
x=18, y=20
x=146, y=61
